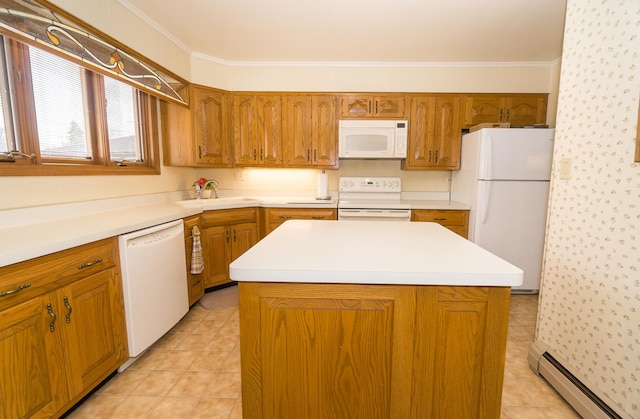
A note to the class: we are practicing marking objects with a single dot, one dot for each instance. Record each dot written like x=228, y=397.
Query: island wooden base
x=372, y=351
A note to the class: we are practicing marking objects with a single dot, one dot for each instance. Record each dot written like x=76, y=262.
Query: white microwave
x=372, y=139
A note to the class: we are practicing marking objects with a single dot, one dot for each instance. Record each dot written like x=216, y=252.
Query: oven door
x=346, y=214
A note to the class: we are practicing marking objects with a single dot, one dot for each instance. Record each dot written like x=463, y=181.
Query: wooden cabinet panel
x=62, y=335
x=308, y=350
x=210, y=127
x=32, y=378
x=199, y=135
x=455, y=220
x=257, y=130
x=91, y=316
x=339, y=350
x=364, y=106
x=311, y=131
x=461, y=341
x=516, y=109
x=434, y=133
x=226, y=234
x=195, y=283
x=274, y=217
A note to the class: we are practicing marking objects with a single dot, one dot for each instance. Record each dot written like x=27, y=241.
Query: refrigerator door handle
x=486, y=197
x=485, y=164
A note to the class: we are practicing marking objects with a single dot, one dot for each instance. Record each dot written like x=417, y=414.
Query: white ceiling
x=372, y=31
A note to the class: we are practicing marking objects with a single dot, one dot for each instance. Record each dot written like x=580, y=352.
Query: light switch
x=565, y=168
x=238, y=175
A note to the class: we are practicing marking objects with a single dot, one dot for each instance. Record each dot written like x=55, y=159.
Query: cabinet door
x=483, y=109
x=389, y=106
x=421, y=133
x=357, y=106
x=525, y=110
x=461, y=339
x=210, y=127
x=91, y=317
x=32, y=378
x=195, y=283
x=364, y=106
x=217, y=241
x=324, y=130
x=244, y=236
x=448, y=133
x=243, y=116
x=298, y=131
x=269, y=130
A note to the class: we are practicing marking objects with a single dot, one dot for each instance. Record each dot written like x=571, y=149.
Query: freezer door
x=509, y=221
x=515, y=154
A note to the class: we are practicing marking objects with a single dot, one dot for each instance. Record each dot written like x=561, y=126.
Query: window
x=61, y=118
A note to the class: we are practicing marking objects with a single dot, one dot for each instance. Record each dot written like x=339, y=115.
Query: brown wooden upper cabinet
x=197, y=136
x=311, y=131
x=517, y=109
x=370, y=106
x=434, y=133
x=257, y=130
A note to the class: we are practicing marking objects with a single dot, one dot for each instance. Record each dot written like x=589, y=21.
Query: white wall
x=118, y=22
x=590, y=297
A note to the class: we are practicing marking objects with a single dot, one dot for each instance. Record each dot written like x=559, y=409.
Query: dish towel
x=197, y=262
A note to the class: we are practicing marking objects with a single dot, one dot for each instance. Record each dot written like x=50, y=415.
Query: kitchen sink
x=214, y=201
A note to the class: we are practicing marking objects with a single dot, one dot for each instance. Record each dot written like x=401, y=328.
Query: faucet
x=197, y=191
x=215, y=187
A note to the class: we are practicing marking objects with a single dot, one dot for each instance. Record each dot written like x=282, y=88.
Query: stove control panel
x=370, y=184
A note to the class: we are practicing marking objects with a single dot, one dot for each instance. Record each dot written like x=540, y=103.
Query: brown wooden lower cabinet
x=195, y=282
x=61, y=334
x=226, y=234
x=372, y=351
x=455, y=220
x=274, y=217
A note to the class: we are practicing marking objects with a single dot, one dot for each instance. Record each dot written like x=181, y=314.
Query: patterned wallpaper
x=590, y=296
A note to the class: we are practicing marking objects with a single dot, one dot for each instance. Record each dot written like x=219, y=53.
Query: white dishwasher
x=154, y=281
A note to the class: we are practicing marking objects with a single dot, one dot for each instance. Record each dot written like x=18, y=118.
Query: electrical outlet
x=238, y=175
x=565, y=168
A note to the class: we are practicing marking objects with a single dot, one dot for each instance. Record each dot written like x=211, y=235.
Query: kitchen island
x=372, y=320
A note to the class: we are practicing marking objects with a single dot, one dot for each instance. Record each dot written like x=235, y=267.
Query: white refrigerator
x=504, y=177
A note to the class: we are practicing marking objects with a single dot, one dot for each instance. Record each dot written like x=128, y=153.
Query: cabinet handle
x=52, y=323
x=436, y=156
x=315, y=155
x=285, y=217
x=234, y=235
x=376, y=106
x=200, y=152
x=507, y=116
x=88, y=264
x=261, y=155
x=227, y=236
x=500, y=115
x=69, y=310
x=369, y=106
x=429, y=156
x=254, y=154
x=317, y=217
x=439, y=219
x=13, y=291
x=308, y=155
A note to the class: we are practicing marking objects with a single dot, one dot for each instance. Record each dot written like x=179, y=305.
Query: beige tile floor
x=194, y=372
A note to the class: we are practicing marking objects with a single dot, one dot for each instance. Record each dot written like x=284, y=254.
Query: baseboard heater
x=584, y=401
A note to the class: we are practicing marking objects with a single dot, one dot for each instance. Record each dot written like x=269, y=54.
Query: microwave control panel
x=370, y=184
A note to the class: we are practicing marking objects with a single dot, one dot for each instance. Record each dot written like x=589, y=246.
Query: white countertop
x=371, y=252
x=37, y=231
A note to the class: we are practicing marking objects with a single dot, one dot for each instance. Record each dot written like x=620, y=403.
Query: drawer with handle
x=24, y=280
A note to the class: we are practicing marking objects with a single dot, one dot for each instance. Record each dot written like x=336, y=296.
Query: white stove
x=372, y=198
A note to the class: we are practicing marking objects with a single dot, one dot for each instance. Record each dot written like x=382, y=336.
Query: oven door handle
x=375, y=213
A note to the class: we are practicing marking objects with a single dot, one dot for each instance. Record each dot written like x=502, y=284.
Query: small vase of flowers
x=204, y=187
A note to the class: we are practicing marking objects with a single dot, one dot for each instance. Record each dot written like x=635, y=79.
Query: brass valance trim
x=52, y=28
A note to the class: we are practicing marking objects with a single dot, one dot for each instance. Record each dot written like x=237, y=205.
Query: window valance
x=41, y=23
